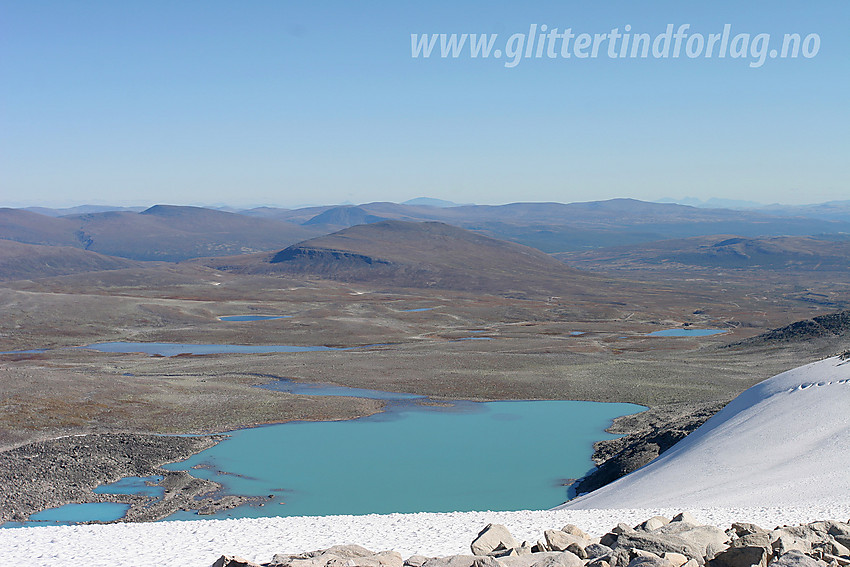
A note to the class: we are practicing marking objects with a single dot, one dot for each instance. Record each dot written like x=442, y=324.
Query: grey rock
x=577, y=550
x=539, y=547
x=796, y=558
x=461, y=561
x=526, y=560
x=345, y=551
x=835, y=560
x=557, y=540
x=742, y=529
x=494, y=537
x=649, y=561
x=635, y=553
x=523, y=549
x=657, y=543
x=609, y=538
x=233, y=561
x=707, y=540
x=562, y=559
x=753, y=540
x=280, y=560
x=786, y=539
x=598, y=562
x=653, y=523
x=576, y=531
x=595, y=550
x=416, y=561
x=835, y=547
x=677, y=559
x=741, y=557
x=685, y=517
x=620, y=557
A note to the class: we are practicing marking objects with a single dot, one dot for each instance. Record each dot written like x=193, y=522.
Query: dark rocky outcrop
x=648, y=434
x=824, y=326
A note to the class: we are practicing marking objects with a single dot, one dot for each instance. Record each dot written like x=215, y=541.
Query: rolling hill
x=20, y=261
x=722, y=252
x=417, y=254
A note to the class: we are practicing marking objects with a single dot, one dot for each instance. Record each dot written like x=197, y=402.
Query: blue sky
x=296, y=102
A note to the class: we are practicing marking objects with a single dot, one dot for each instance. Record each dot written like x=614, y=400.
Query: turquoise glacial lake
x=452, y=456
x=511, y=455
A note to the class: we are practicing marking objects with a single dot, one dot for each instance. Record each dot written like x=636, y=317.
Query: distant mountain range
x=162, y=232
x=811, y=237
x=828, y=253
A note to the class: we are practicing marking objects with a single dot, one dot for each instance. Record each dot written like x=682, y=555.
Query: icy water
x=513, y=455
x=133, y=485
x=686, y=333
x=74, y=513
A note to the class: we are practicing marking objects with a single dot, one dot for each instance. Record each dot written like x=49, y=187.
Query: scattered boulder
x=676, y=559
x=462, y=561
x=558, y=540
x=649, y=561
x=494, y=537
x=685, y=517
x=741, y=557
x=743, y=529
x=653, y=523
x=233, y=561
x=656, y=542
x=576, y=531
x=595, y=550
x=796, y=558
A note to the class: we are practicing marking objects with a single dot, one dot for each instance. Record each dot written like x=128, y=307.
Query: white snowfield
x=778, y=454
x=785, y=441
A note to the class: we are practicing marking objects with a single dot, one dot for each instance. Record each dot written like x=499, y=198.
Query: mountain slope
x=34, y=228
x=174, y=233
x=30, y=261
x=783, y=442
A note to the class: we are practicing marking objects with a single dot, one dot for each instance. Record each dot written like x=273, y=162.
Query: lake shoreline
x=47, y=482
x=65, y=470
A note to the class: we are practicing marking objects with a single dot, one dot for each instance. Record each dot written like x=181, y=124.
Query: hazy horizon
x=687, y=201
x=325, y=102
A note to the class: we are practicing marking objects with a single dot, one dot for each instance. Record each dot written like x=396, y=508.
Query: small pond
x=253, y=317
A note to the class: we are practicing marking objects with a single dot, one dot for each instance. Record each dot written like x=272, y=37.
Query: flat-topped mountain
x=416, y=254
